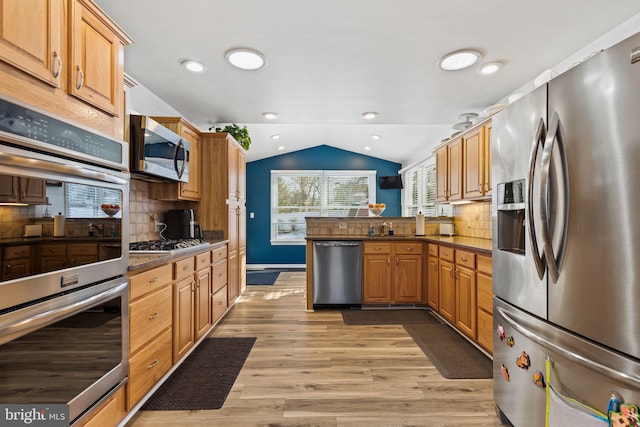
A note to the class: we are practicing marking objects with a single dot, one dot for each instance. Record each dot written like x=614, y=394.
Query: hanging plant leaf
x=241, y=134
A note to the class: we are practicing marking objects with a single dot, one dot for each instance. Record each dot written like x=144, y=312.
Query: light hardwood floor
x=309, y=369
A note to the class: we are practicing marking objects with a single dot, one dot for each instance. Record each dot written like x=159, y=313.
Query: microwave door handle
x=555, y=136
x=180, y=147
x=538, y=141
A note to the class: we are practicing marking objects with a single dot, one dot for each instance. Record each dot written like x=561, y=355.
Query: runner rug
x=205, y=378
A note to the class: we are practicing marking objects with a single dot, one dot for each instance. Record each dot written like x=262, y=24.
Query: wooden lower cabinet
x=109, y=413
x=150, y=330
x=219, y=288
x=183, y=315
x=433, y=284
x=465, y=319
x=447, y=290
x=485, y=303
x=392, y=273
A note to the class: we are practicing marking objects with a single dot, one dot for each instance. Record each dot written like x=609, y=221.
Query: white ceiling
x=331, y=60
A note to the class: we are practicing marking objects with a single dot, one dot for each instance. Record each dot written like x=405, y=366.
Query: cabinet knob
x=154, y=316
x=153, y=364
x=155, y=279
x=464, y=259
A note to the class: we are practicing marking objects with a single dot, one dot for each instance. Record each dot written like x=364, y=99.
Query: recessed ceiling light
x=459, y=60
x=376, y=137
x=281, y=148
x=490, y=67
x=369, y=115
x=193, y=65
x=245, y=58
x=270, y=115
x=367, y=148
x=276, y=136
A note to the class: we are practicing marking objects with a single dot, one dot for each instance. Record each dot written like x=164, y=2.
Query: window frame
x=324, y=209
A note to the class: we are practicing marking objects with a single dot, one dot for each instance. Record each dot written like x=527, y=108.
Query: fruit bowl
x=110, y=210
x=377, y=209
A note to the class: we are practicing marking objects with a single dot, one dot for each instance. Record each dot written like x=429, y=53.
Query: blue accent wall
x=323, y=157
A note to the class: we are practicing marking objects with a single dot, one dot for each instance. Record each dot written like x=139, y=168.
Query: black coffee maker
x=181, y=224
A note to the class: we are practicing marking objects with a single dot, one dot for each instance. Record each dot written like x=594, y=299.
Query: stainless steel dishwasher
x=337, y=273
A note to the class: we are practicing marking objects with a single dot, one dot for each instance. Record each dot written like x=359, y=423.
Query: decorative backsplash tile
x=473, y=220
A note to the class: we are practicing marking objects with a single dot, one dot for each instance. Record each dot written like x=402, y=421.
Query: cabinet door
x=377, y=279
x=191, y=190
x=33, y=191
x=9, y=187
x=433, y=286
x=455, y=169
x=487, y=159
x=234, y=259
x=203, y=302
x=242, y=173
x=442, y=174
x=183, y=311
x=95, y=65
x=485, y=309
x=407, y=279
x=30, y=37
x=232, y=153
x=447, y=301
x=473, y=155
x=466, y=301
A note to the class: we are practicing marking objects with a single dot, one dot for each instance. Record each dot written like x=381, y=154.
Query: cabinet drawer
x=484, y=264
x=485, y=330
x=218, y=303
x=485, y=293
x=183, y=268
x=466, y=259
x=109, y=413
x=148, y=366
x=149, y=280
x=203, y=260
x=377, y=247
x=219, y=254
x=80, y=249
x=433, y=249
x=148, y=317
x=15, y=252
x=53, y=250
x=218, y=275
x=447, y=253
x=408, y=248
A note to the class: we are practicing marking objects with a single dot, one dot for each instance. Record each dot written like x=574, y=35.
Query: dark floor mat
x=387, y=317
x=451, y=354
x=262, y=277
x=205, y=378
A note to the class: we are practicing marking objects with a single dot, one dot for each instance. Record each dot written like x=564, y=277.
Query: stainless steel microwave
x=157, y=153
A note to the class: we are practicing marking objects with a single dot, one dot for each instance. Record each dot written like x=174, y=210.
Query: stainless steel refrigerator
x=566, y=242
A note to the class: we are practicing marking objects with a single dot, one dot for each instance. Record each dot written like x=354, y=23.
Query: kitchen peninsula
x=449, y=274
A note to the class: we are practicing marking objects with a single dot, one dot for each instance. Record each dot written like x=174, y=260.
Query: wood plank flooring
x=309, y=369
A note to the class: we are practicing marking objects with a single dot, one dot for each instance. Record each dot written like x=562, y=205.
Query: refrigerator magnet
x=538, y=379
x=523, y=361
x=510, y=341
x=500, y=332
x=505, y=372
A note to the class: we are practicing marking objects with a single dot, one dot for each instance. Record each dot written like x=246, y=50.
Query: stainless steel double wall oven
x=64, y=197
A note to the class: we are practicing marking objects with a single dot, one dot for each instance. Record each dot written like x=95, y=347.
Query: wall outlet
x=158, y=226
x=152, y=217
x=342, y=225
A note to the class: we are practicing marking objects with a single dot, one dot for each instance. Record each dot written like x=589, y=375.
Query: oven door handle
x=15, y=329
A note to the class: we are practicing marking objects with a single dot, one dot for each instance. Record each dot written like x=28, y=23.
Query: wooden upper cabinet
x=22, y=190
x=477, y=162
x=96, y=58
x=182, y=190
x=442, y=173
x=30, y=37
x=449, y=171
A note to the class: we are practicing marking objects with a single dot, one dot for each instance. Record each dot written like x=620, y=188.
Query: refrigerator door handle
x=625, y=378
x=555, y=135
x=538, y=141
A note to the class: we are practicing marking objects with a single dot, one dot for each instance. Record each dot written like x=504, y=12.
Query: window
x=420, y=189
x=83, y=201
x=299, y=194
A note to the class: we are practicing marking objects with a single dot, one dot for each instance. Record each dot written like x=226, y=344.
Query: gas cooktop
x=163, y=246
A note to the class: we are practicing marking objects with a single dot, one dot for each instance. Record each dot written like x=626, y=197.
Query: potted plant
x=241, y=134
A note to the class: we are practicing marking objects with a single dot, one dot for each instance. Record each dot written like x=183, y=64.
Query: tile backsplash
x=473, y=220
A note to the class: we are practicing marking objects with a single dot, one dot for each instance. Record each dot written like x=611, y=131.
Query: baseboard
x=264, y=266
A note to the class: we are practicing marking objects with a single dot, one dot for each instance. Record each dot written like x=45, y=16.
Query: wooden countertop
x=474, y=243
x=144, y=261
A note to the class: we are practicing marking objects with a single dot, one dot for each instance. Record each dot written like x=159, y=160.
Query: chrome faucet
x=99, y=227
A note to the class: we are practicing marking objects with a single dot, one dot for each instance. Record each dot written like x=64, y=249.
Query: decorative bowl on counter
x=110, y=210
x=377, y=208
